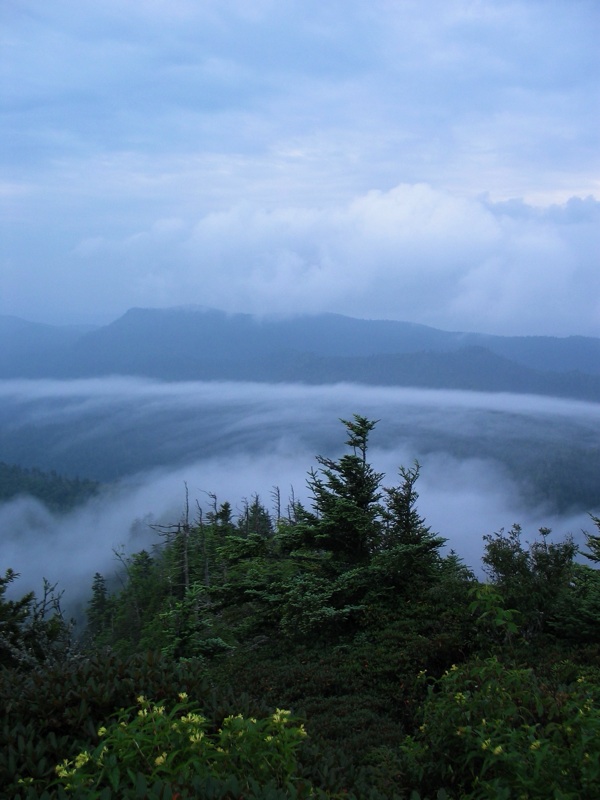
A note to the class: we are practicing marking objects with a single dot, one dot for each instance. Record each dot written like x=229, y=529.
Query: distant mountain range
x=206, y=344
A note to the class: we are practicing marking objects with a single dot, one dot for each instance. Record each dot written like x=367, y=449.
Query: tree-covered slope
x=204, y=344
x=335, y=650
x=58, y=492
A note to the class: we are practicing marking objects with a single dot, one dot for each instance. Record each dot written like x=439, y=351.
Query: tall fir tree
x=346, y=494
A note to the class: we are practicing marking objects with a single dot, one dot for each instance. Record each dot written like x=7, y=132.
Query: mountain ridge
x=200, y=343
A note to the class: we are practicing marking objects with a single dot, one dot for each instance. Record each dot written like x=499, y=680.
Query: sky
x=432, y=162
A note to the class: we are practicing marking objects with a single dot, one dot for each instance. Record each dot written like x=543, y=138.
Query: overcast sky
x=429, y=161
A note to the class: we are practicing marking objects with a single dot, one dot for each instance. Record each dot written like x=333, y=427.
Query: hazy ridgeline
x=488, y=460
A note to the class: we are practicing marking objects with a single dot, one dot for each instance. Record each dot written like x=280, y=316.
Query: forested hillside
x=331, y=650
x=183, y=344
x=58, y=492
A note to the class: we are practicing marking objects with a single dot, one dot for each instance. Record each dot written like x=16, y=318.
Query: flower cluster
x=178, y=746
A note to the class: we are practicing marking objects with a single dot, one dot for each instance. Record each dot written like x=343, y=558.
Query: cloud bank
x=298, y=156
x=412, y=253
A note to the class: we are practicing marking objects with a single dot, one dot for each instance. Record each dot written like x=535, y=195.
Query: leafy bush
x=492, y=732
x=147, y=744
x=51, y=713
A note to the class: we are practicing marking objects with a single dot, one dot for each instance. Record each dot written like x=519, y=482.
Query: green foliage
x=98, y=609
x=51, y=713
x=332, y=611
x=530, y=579
x=186, y=629
x=494, y=731
x=497, y=625
x=576, y=614
x=178, y=747
x=321, y=606
x=218, y=582
x=255, y=519
x=32, y=630
x=346, y=497
x=593, y=542
x=408, y=557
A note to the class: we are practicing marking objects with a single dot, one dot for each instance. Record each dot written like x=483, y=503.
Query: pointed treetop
x=359, y=431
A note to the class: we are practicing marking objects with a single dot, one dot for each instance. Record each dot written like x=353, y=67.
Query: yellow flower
x=182, y=696
x=486, y=745
x=141, y=699
x=535, y=745
x=192, y=719
x=160, y=759
x=160, y=710
x=102, y=731
x=497, y=750
x=231, y=718
x=81, y=759
x=63, y=771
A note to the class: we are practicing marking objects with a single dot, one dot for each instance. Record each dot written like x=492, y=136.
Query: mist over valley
x=488, y=460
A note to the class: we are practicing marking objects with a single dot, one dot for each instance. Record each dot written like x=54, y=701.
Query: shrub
x=52, y=712
x=490, y=731
x=150, y=746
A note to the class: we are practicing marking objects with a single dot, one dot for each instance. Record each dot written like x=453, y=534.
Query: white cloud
x=338, y=147
x=412, y=253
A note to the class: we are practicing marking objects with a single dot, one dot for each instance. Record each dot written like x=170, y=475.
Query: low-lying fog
x=150, y=440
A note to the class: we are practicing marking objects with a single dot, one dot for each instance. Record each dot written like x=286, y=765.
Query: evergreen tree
x=98, y=609
x=409, y=552
x=255, y=519
x=141, y=599
x=346, y=495
x=593, y=542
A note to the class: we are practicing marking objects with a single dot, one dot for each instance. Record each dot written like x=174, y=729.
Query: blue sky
x=435, y=162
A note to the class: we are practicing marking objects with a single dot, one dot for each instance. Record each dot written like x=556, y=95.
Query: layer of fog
x=460, y=500
x=107, y=428
x=238, y=440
